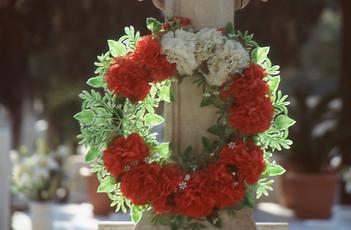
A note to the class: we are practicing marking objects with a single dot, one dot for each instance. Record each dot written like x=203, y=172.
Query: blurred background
x=47, y=51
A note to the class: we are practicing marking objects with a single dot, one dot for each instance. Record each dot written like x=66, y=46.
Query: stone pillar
x=186, y=121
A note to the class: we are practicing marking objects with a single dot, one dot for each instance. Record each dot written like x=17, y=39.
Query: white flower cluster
x=189, y=51
x=32, y=172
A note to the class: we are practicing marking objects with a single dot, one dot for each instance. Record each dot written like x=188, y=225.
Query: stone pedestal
x=129, y=226
x=242, y=221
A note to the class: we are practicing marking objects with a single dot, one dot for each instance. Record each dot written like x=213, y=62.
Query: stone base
x=121, y=225
x=243, y=221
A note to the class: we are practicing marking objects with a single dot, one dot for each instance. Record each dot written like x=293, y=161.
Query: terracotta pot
x=100, y=201
x=311, y=196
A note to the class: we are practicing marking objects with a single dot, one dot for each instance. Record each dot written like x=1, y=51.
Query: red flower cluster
x=127, y=78
x=170, y=189
x=253, y=110
x=148, y=53
x=130, y=76
x=139, y=183
x=252, y=117
x=124, y=153
x=246, y=157
x=180, y=22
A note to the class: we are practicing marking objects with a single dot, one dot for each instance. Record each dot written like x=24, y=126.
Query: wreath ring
x=136, y=74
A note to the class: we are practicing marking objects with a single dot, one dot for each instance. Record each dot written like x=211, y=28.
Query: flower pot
x=100, y=201
x=311, y=196
x=41, y=215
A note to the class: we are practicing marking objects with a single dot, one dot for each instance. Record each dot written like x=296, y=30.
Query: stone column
x=186, y=121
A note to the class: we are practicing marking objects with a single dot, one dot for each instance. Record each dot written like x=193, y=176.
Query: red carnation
x=246, y=158
x=224, y=185
x=123, y=152
x=196, y=199
x=139, y=183
x=252, y=117
x=249, y=85
x=128, y=78
x=170, y=178
x=148, y=53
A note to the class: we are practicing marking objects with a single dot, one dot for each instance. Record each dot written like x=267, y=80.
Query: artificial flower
x=127, y=78
x=227, y=60
x=139, y=183
x=249, y=85
x=148, y=54
x=123, y=152
x=179, y=47
x=195, y=199
x=246, y=158
x=207, y=41
x=224, y=185
x=179, y=22
x=169, y=179
x=252, y=117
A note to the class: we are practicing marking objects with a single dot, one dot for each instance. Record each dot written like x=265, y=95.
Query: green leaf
x=165, y=93
x=163, y=149
x=250, y=196
x=92, y=154
x=274, y=170
x=85, y=117
x=96, y=82
x=207, y=100
x=136, y=214
x=259, y=55
x=152, y=119
x=116, y=48
x=206, y=144
x=273, y=84
x=229, y=29
x=153, y=25
x=283, y=122
x=217, y=130
x=107, y=184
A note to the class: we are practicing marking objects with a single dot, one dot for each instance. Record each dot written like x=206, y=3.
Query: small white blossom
x=182, y=185
x=127, y=168
x=187, y=177
x=179, y=48
x=231, y=145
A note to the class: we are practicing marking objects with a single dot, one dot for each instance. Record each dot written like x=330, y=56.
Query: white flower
x=33, y=171
x=207, y=41
x=179, y=47
x=231, y=58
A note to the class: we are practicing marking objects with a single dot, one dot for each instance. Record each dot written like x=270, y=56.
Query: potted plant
x=310, y=185
x=37, y=176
